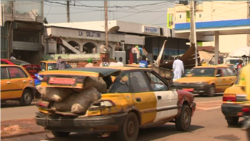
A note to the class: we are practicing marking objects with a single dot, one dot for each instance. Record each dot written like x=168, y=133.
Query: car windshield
x=202, y=72
x=52, y=66
x=19, y=62
x=234, y=61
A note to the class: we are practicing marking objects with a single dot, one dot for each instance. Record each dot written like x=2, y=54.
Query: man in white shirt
x=120, y=64
x=12, y=56
x=178, y=68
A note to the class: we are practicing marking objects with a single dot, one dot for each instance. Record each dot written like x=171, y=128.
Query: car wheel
x=60, y=134
x=211, y=91
x=183, y=122
x=130, y=128
x=231, y=121
x=26, y=98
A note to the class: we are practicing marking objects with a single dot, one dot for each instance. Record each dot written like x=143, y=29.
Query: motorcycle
x=246, y=115
x=38, y=79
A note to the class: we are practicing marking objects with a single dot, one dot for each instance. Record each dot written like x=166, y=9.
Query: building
x=21, y=29
x=214, y=11
x=89, y=37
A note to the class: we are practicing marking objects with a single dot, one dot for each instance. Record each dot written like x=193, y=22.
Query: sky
x=144, y=12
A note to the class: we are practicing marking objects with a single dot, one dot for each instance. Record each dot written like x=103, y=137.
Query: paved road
x=208, y=124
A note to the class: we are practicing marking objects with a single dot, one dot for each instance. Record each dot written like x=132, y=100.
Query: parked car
x=233, y=98
x=50, y=65
x=31, y=68
x=16, y=84
x=207, y=80
x=138, y=98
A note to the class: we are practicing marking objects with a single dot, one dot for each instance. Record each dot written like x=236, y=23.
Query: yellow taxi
x=50, y=65
x=233, y=100
x=138, y=98
x=207, y=80
x=16, y=84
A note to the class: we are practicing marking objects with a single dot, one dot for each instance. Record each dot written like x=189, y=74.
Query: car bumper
x=61, y=123
x=232, y=110
x=197, y=88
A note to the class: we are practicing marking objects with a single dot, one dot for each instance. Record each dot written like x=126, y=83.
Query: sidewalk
x=22, y=127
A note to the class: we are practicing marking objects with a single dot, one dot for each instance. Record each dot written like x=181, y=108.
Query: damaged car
x=134, y=98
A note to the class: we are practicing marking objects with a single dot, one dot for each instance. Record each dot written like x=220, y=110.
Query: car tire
x=26, y=98
x=232, y=121
x=183, y=121
x=60, y=134
x=211, y=91
x=130, y=128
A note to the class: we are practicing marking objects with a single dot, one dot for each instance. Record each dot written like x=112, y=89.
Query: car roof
x=212, y=66
x=7, y=65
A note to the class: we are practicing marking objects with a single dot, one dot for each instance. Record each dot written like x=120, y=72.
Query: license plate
x=187, y=89
x=63, y=81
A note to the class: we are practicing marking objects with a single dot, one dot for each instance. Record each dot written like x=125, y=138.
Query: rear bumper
x=231, y=110
x=81, y=124
x=198, y=88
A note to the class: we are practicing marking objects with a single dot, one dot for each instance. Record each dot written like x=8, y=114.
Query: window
x=225, y=72
x=200, y=15
x=209, y=72
x=231, y=72
x=16, y=72
x=121, y=84
x=156, y=83
x=180, y=16
x=138, y=82
x=4, y=74
x=219, y=72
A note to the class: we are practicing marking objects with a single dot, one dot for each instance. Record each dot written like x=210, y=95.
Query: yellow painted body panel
x=15, y=88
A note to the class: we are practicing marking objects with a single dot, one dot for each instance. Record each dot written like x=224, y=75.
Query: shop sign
x=93, y=34
x=152, y=30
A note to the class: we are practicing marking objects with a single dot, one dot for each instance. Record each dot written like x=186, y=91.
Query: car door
x=226, y=78
x=166, y=99
x=5, y=84
x=18, y=80
x=144, y=99
x=219, y=80
x=232, y=75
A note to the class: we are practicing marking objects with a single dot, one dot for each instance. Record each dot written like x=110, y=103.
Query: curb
x=21, y=134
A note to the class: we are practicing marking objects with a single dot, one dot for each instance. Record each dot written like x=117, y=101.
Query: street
x=208, y=124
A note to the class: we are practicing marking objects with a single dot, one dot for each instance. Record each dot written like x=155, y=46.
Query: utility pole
x=68, y=12
x=106, y=23
x=193, y=30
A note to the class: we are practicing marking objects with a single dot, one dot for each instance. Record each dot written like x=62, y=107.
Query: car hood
x=194, y=79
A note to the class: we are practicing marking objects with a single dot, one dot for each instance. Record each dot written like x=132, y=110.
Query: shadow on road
x=144, y=134
x=13, y=103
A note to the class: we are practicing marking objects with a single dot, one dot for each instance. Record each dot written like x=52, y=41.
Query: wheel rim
x=27, y=97
x=130, y=128
x=186, y=119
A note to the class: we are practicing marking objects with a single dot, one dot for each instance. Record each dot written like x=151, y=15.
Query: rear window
x=19, y=62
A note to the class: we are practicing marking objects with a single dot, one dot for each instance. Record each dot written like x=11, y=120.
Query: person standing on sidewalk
x=12, y=56
x=61, y=64
x=178, y=68
x=90, y=63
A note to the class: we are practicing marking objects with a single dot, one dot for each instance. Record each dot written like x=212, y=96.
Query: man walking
x=119, y=64
x=178, y=68
x=61, y=64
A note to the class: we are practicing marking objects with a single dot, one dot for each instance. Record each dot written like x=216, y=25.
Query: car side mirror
x=218, y=75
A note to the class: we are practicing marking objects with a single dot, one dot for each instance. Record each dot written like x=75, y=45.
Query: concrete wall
x=216, y=11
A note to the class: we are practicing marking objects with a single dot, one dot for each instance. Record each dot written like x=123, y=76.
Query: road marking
x=209, y=101
x=204, y=109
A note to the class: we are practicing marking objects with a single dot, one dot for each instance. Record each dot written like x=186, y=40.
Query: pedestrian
x=61, y=64
x=119, y=63
x=104, y=63
x=143, y=63
x=12, y=56
x=90, y=63
x=178, y=68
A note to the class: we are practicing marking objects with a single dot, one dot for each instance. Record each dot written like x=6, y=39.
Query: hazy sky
x=151, y=12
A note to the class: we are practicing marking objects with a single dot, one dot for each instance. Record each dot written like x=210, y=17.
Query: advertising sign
x=151, y=30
